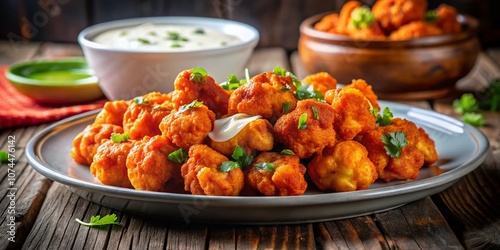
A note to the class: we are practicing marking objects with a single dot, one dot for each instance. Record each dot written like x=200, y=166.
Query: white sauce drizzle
x=227, y=128
x=153, y=37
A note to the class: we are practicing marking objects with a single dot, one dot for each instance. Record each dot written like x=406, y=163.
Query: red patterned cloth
x=17, y=109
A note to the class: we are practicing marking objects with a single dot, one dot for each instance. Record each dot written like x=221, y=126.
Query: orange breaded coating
x=366, y=89
x=328, y=23
x=321, y=82
x=287, y=179
x=110, y=163
x=144, y=115
x=415, y=29
x=112, y=113
x=408, y=164
x=447, y=19
x=343, y=167
x=352, y=113
x=392, y=14
x=427, y=146
x=189, y=127
x=345, y=15
x=374, y=31
x=255, y=136
x=201, y=88
x=85, y=144
x=202, y=175
x=310, y=135
x=148, y=166
x=265, y=94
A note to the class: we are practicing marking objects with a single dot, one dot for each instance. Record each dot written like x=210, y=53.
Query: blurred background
x=277, y=20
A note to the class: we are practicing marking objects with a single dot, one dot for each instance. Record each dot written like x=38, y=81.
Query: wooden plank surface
x=46, y=211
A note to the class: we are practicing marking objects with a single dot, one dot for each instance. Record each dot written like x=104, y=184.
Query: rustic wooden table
x=465, y=216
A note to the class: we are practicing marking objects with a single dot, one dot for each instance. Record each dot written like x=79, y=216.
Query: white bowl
x=126, y=73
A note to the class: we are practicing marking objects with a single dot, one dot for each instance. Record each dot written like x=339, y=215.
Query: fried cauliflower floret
x=427, y=146
x=265, y=94
x=415, y=29
x=408, y=164
x=310, y=135
x=362, y=24
x=321, y=82
x=328, y=23
x=148, y=166
x=366, y=90
x=144, y=115
x=187, y=127
x=345, y=15
x=352, y=113
x=255, y=136
x=447, y=19
x=393, y=14
x=202, y=175
x=86, y=142
x=112, y=113
x=343, y=167
x=109, y=164
x=286, y=179
x=190, y=86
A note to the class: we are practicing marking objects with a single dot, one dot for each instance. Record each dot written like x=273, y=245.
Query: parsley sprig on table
x=468, y=107
x=97, y=220
x=4, y=156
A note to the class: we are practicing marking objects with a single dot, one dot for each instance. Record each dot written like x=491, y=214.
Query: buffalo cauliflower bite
x=148, y=166
x=286, y=179
x=85, y=144
x=109, y=165
x=307, y=129
x=393, y=14
x=190, y=85
x=366, y=90
x=188, y=126
x=266, y=94
x=328, y=23
x=407, y=166
x=447, y=19
x=345, y=15
x=321, y=82
x=427, y=146
x=353, y=114
x=255, y=136
x=415, y=29
x=343, y=167
x=144, y=115
x=112, y=113
x=202, y=175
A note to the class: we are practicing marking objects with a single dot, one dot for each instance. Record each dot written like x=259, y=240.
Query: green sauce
x=60, y=75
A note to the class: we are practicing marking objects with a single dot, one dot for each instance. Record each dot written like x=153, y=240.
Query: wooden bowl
x=423, y=68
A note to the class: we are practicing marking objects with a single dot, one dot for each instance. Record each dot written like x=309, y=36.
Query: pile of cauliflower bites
x=302, y=133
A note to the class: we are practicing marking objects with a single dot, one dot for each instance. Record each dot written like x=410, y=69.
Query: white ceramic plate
x=461, y=149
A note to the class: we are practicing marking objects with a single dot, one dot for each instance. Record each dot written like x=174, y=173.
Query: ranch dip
x=164, y=37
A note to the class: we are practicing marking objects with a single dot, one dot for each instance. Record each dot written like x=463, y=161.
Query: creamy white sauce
x=227, y=128
x=155, y=37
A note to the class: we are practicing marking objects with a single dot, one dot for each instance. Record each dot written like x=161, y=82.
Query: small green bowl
x=59, y=82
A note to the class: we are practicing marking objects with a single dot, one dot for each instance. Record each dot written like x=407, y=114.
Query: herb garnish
x=287, y=152
x=431, y=16
x=468, y=107
x=394, y=143
x=199, y=31
x=232, y=82
x=191, y=105
x=362, y=17
x=302, y=121
x=118, y=138
x=140, y=100
x=264, y=166
x=491, y=96
x=143, y=40
x=384, y=119
x=198, y=74
x=242, y=160
x=175, y=36
x=4, y=156
x=315, y=112
x=286, y=107
x=179, y=156
x=109, y=219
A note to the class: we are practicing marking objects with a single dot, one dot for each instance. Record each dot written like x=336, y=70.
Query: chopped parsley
x=315, y=112
x=232, y=83
x=241, y=160
x=143, y=40
x=431, y=16
x=384, y=119
x=198, y=75
x=4, y=156
x=286, y=107
x=109, y=219
x=362, y=17
x=199, y=31
x=193, y=104
x=118, y=138
x=265, y=166
x=287, y=152
x=302, y=121
x=140, y=100
x=179, y=156
x=175, y=36
x=394, y=143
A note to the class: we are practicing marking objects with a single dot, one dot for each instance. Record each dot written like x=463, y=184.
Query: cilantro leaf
x=384, y=119
x=191, y=105
x=198, y=75
x=140, y=100
x=232, y=82
x=302, y=121
x=4, y=156
x=394, y=143
x=475, y=119
x=109, y=219
x=279, y=71
x=306, y=91
x=179, y=156
x=466, y=104
x=228, y=166
x=242, y=160
x=362, y=17
x=118, y=138
x=265, y=166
